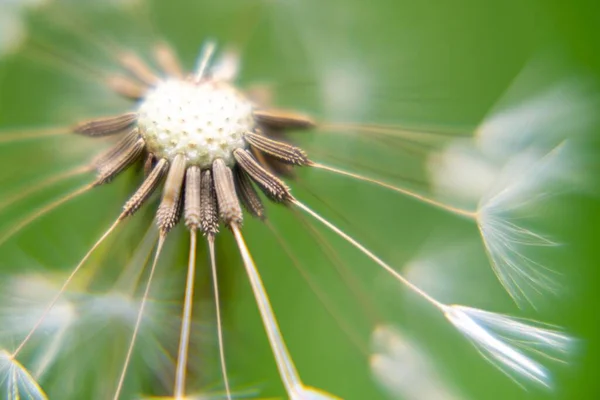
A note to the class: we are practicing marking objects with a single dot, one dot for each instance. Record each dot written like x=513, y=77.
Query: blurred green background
x=423, y=64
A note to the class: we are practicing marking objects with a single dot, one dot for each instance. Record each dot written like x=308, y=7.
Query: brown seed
x=126, y=87
x=169, y=210
x=272, y=186
x=280, y=150
x=149, y=163
x=283, y=119
x=127, y=140
x=138, y=68
x=191, y=210
x=107, y=125
x=229, y=206
x=279, y=168
x=117, y=159
x=146, y=189
x=209, y=212
x=247, y=194
x=167, y=60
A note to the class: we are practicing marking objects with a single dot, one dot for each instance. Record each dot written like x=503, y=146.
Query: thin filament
x=130, y=277
x=39, y=54
x=369, y=254
x=15, y=136
x=213, y=265
x=80, y=170
x=390, y=130
x=287, y=370
x=138, y=321
x=346, y=328
x=186, y=319
x=63, y=288
x=458, y=211
x=76, y=25
x=42, y=211
x=342, y=270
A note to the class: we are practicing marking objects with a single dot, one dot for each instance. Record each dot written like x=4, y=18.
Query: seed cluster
x=212, y=144
x=203, y=121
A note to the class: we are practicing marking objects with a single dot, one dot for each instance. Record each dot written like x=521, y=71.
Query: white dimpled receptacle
x=203, y=121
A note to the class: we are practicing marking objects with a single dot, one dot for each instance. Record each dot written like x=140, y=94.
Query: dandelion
x=208, y=149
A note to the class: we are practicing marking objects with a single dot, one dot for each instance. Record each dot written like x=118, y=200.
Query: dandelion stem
x=63, y=288
x=287, y=370
x=213, y=265
x=42, y=211
x=138, y=321
x=369, y=254
x=472, y=215
x=186, y=320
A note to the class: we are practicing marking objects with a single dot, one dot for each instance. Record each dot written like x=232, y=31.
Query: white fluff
x=509, y=343
x=203, y=121
x=404, y=369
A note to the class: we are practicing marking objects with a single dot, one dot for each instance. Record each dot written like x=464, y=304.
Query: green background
x=427, y=64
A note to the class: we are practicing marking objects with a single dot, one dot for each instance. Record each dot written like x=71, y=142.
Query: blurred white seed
x=112, y=306
x=510, y=343
x=24, y=300
x=403, y=369
x=462, y=171
x=227, y=66
x=13, y=31
x=542, y=121
x=15, y=382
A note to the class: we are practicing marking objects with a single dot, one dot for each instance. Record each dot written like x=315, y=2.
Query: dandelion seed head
x=403, y=369
x=203, y=121
x=345, y=89
x=112, y=305
x=540, y=122
x=16, y=381
x=520, y=159
x=512, y=345
x=13, y=30
x=226, y=67
x=525, y=182
x=452, y=269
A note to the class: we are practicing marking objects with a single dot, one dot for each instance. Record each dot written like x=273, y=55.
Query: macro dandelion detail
x=186, y=230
